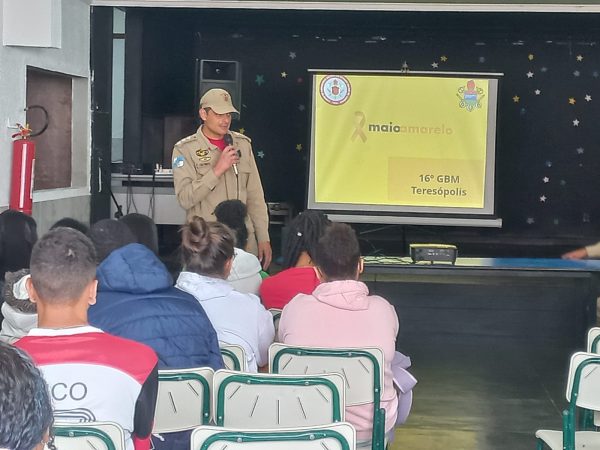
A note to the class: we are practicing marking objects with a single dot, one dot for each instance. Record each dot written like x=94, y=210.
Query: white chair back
x=338, y=436
x=588, y=380
x=267, y=401
x=356, y=365
x=184, y=399
x=234, y=357
x=593, y=340
x=89, y=435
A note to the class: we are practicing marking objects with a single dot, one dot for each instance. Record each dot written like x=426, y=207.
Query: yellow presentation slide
x=390, y=140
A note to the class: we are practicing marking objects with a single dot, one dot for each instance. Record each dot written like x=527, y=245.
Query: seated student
x=144, y=230
x=246, y=270
x=25, y=406
x=92, y=375
x=341, y=313
x=69, y=222
x=18, y=233
x=20, y=315
x=207, y=256
x=299, y=275
x=136, y=300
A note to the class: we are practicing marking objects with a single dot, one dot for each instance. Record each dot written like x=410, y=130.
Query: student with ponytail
x=207, y=250
x=299, y=276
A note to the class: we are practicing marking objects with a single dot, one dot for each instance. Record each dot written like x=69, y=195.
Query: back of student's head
x=206, y=247
x=303, y=234
x=25, y=406
x=63, y=263
x=18, y=234
x=233, y=214
x=69, y=222
x=338, y=253
x=143, y=228
x=108, y=235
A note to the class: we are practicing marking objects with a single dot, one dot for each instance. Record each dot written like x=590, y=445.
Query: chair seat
x=584, y=440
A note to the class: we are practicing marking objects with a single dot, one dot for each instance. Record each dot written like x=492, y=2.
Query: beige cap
x=218, y=100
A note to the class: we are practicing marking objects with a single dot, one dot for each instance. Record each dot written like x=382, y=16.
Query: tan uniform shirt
x=199, y=190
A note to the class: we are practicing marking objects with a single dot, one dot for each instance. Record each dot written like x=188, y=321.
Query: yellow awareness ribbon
x=359, y=123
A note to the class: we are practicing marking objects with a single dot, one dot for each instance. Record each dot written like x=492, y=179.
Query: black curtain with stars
x=548, y=149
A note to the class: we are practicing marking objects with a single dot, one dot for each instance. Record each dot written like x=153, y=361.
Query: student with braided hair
x=207, y=250
x=299, y=275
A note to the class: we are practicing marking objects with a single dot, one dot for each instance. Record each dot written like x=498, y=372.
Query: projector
x=433, y=252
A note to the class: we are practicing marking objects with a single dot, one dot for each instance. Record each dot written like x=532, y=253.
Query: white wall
x=73, y=58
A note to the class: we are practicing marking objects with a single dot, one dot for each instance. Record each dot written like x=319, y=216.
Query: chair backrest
x=583, y=381
x=234, y=357
x=362, y=369
x=267, y=401
x=337, y=436
x=184, y=399
x=276, y=312
x=593, y=340
x=89, y=435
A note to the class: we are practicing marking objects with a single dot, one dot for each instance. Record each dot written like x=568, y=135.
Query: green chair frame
x=174, y=375
x=226, y=352
x=286, y=437
x=569, y=415
x=378, y=436
x=265, y=379
x=74, y=431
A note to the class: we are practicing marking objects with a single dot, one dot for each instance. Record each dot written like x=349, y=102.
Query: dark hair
x=303, y=235
x=108, y=235
x=25, y=406
x=206, y=247
x=338, y=253
x=69, y=222
x=143, y=228
x=233, y=214
x=18, y=234
x=63, y=263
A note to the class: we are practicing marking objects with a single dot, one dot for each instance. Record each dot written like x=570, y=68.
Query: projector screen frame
x=414, y=215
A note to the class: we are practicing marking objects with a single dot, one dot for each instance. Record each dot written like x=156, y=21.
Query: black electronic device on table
x=433, y=253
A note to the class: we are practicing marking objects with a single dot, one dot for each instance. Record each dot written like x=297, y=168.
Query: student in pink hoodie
x=341, y=313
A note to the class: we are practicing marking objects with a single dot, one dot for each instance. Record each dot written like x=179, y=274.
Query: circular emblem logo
x=335, y=89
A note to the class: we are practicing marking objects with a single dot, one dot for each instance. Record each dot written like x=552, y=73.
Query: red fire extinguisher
x=23, y=166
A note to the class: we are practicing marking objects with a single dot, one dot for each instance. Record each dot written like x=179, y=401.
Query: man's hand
x=228, y=158
x=265, y=253
x=580, y=253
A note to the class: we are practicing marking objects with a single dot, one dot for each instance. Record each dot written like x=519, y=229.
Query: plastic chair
x=276, y=312
x=184, y=399
x=593, y=338
x=92, y=435
x=582, y=392
x=338, y=436
x=361, y=368
x=267, y=401
x=234, y=357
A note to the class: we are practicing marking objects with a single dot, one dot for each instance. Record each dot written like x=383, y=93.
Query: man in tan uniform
x=207, y=170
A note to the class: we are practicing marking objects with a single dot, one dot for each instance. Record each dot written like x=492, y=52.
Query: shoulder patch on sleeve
x=186, y=140
x=240, y=136
x=178, y=162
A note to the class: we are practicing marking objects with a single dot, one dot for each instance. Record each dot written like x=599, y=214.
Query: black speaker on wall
x=226, y=75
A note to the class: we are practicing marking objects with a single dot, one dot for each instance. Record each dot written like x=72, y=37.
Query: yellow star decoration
x=242, y=130
x=283, y=74
x=444, y=58
x=516, y=99
x=299, y=147
x=572, y=101
x=530, y=57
